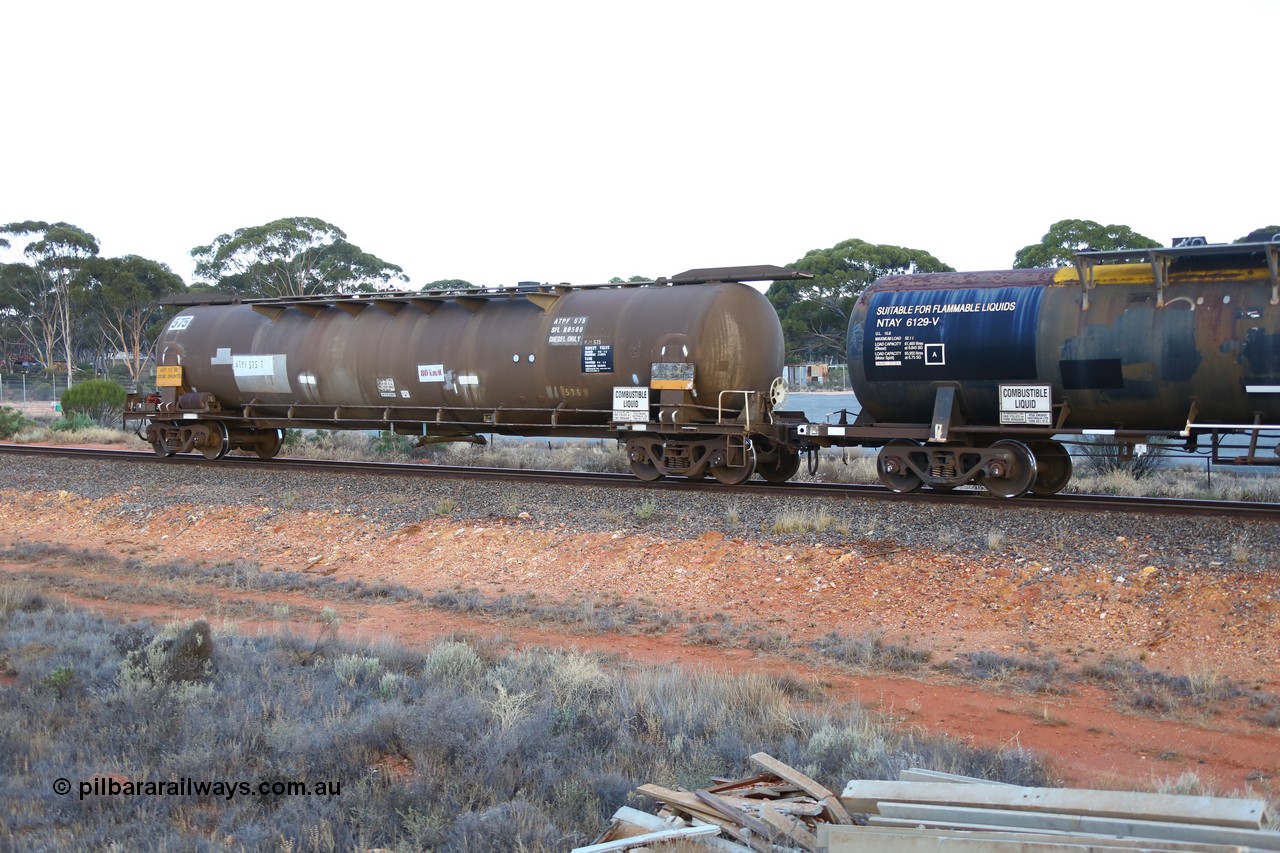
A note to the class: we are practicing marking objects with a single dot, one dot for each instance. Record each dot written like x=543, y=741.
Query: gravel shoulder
x=714, y=585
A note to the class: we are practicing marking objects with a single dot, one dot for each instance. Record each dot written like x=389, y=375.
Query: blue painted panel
x=943, y=335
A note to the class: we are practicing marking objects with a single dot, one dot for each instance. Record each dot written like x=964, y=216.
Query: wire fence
x=18, y=388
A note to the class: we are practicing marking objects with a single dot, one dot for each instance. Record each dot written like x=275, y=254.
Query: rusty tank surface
x=970, y=374
x=699, y=349
x=1126, y=361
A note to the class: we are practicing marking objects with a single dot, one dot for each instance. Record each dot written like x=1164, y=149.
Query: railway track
x=829, y=491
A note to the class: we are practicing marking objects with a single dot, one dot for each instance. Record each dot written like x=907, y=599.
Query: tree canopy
x=299, y=256
x=1265, y=234
x=122, y=296
x=27, y=309
x=815, y=313
x=1068, y=236
x=450, y=284
x=55, y=252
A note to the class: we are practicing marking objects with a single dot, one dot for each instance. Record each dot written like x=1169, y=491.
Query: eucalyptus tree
x=28, y=309
x=450, y=284
x=1265, y=234
x=1065, y=237
x=56, y=252
x=123, y=296
x=298, y=256
x=815, y=312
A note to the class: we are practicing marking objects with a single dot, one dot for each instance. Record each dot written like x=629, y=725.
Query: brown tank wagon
x=972, y=377
x=686, y=371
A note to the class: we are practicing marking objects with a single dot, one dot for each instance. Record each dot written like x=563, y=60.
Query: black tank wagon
x=975, y=377
x=685, y=371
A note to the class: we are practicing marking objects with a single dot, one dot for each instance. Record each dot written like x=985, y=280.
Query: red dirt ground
x=1219, y=625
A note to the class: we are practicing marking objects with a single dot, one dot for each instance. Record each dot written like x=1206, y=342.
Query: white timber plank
x=865, y=839
x=1257, y=839
x=919, y=774
x=650, y=838
x=644, y=820
x=862, y=796
x=1111, y=841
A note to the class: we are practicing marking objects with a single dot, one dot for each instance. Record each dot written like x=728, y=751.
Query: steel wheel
x=736, y=476
x=218, y=450
x=639, y=457
x=778, y=467
x=1053, y=468
x=1014, y=477
x=161, y=449
x=891, y=465
x=645, y=471
x=269, y=443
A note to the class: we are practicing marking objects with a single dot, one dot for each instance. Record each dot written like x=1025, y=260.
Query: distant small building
x=806, y=375
x=25, y=365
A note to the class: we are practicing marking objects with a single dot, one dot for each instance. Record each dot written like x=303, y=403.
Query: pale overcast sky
x=576, y=141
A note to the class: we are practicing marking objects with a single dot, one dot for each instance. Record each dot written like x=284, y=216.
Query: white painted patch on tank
x=261, y=373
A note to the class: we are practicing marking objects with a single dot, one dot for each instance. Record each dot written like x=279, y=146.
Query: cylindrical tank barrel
x=1125, y=360
x=513, y=350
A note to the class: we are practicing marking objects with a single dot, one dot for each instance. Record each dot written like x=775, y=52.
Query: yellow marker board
x=169, y=376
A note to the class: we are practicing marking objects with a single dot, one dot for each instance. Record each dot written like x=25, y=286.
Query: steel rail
x=831, y=491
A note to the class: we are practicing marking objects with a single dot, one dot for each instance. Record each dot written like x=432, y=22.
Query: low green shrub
x=100, y=400
x=12, y=422
x=77, y=422
x=391, y=445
